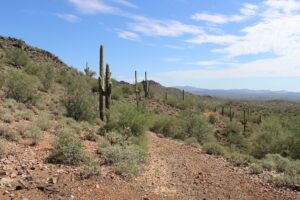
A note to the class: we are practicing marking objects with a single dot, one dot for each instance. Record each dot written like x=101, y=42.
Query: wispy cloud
x=125, y=3
x=167, y=28
x=128, y=35
x=170, y=59
x=93, y=6
x=247, y=11
x=68, y=17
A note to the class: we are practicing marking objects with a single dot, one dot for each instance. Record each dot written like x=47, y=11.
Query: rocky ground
x=173, y=171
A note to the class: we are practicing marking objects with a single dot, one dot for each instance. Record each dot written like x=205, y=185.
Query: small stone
x=97, y=186
x=52, y=180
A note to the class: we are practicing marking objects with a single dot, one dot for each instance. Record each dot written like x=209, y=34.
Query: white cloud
x=246, y=12
x=128, y=35
x=125, y=3
x=167, y=28
x=93, y=6
x=172, y=59
x=214, y=39
x=260, y=68
x=68, y=17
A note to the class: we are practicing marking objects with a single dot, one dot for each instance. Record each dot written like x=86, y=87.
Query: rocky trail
x=173, y=171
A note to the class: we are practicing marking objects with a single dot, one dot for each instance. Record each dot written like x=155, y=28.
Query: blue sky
x=204, y=43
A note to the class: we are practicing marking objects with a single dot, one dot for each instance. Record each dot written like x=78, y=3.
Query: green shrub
x=214, y=149
x=21, y=87
x=126, y=120
x=273, y=139
x=192, y=142
x=237, y=140
x=241, y=159
x=285, y=181
x=44, y=121
x=231, y=128
x=34, y=133
x=68, y=150
x=212, y=118
x=80, y=102
x=281, y=164
x=7, y=118
x=165, y=125
x=2, y=148
x=194, y=125
x=126, y=159
x=17, y=57
x=255, y=168
x=44, y=72
x=8, y=134
x=91, y=169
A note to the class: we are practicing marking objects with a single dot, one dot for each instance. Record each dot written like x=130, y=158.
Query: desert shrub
x=213, y=149
x=91, y=136
x=231, y=127
x=91, y=169
x=79, y=102
x=44, y=121
x=212, y=118
x=126, y=120
x=26, y=115
x=10, y=104
x=7, y=117
x=285, y=181
x=280, y=163
x=21, y=86
x=237, y=140
x=127, y=90
x=125, y=159
x=34, y=133
x=68, y=150
x=192, y=142
x=116, y=93
x=241, y=159
x=17, y=57
x=272, y=139
x=194, y=125
x=44, y=72
x=8, y=134
x=165, y=125
x=255, y=168
x=2, y=148
x=294, y=145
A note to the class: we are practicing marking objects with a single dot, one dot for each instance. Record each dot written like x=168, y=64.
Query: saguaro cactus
x=244, y=121
x=137, y=91
x=231, y=114
x=166, y=96
x=101, y=83
x=105, y=86
x=183, y=95
x=146, y=86
x=222, y=111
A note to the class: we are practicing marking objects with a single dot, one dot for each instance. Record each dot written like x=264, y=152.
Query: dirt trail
x=173, y=171
x=177, y=171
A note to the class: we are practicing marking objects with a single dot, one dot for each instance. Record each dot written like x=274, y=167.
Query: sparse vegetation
x=68, y=150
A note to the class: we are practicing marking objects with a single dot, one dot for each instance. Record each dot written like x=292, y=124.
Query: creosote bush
x=214, y=149
x=44, y=72
x=79, y=102
x=165, y=125
x=21, y=86
x=68, y=150
x=17, y=57
x=125, y=159
x=126, y=120
x=2, y=148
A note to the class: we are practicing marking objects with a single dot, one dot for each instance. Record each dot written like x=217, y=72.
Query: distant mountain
x=244, y=94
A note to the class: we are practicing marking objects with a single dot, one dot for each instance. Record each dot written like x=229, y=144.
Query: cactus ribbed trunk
x=101, y=83
x=166, y=96
x=231, y=114
x=183, y=95
x=146, y=86
x=244, y=121
x=137, y=96
x=108, y=87
x=222, y=112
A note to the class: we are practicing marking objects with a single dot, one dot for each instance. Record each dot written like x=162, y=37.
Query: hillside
x=172, y=146
x=244, y=94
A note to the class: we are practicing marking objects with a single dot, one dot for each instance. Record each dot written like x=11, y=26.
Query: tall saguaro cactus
x=231, y=114
x=146, y=86
x=137, y=91
x=183, y=95
x=244, y=121
x=101, y=83
x=222, y=111
x=105, y=86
